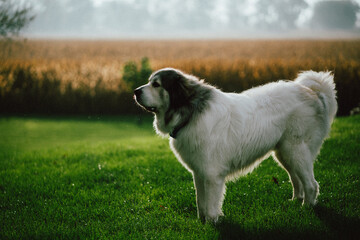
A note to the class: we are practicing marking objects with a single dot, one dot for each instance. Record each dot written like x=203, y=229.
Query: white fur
x=287, y=118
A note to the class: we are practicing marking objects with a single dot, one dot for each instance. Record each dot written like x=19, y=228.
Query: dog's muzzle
x=137, y=96
x=138, y=93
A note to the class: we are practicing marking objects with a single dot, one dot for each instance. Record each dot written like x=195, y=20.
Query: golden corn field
x=88, y=77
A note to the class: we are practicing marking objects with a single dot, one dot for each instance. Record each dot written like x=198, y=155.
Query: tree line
x=121, y=17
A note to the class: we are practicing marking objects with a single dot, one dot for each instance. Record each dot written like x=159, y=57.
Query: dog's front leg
x=214, y=196
x=200, y=196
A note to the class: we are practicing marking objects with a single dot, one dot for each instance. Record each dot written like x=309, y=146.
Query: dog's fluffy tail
x=323, y=84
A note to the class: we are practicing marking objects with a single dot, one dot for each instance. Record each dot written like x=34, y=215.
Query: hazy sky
x=194, y=18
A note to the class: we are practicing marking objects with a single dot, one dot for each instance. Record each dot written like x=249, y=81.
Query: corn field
x=98, y=77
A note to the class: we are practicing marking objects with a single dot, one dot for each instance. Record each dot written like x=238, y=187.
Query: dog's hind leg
x=298, y=160
x=298, y=190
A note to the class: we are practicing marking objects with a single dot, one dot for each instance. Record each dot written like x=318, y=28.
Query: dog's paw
x=202, y=219
x=214, y=220
x=310, y=203
x=296, y=200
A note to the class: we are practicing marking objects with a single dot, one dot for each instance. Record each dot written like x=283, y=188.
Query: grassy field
x=112, y=178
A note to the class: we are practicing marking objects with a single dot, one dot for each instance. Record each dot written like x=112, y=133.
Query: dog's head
x=168, y=88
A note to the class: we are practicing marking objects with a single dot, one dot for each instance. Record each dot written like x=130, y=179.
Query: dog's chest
x=188, y=153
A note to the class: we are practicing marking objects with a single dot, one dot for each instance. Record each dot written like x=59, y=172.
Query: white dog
x=218, y=136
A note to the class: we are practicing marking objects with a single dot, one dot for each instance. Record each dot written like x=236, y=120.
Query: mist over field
x=103, y=19
x=212, y=39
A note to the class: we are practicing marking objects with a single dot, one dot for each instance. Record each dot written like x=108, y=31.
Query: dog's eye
x=155, y=84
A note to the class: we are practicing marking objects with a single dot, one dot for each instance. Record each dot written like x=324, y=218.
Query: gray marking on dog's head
x=178, y=84
x=187, y=94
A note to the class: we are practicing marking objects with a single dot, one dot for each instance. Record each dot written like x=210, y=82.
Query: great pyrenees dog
x=218, y=136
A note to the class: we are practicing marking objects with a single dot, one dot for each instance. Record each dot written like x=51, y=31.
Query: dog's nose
x=138, y=92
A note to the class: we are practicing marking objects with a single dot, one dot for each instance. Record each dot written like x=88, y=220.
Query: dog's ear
x=179, y=87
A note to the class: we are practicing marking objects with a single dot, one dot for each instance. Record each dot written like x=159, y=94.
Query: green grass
x=112, y=178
